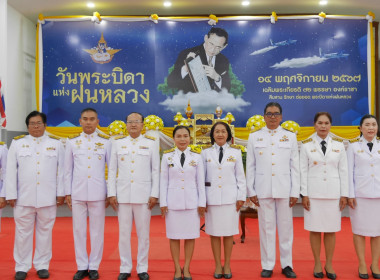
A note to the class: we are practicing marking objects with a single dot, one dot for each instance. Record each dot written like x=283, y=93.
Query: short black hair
x=35, y=114
x=273, y=104
x=142, y=117
x=227, y=128
x=317, y=115
x=88, y=110
x=178, y=127
x=220, y=32
x=367, y=116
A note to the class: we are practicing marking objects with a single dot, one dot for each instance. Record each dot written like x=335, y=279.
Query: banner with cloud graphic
x=118, y=67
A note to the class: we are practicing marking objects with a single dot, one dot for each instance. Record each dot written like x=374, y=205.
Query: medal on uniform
x=100, y=157
x=315, y=163
x=122, y=159
x=192, y=163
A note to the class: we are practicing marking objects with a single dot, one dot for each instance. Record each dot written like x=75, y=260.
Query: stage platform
x=245, y=262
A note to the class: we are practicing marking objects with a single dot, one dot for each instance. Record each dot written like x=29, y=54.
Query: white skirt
x=365, y=218
x=182, y=224
x=324, y=215
x=222, y=220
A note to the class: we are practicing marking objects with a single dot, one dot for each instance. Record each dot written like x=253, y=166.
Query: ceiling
x=31, y=8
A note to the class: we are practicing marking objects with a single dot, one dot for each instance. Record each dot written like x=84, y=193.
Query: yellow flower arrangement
x=117, y=128
x=255, y=123
x=178, y=117
x=152, y=122
x=242, y=148
x=229, y=118
x=197, y=148
x=291, y=126
x=184, y=122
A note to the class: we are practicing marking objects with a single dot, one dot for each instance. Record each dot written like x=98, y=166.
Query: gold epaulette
x=74, y=136
x=150, y=137
x=19, y=137
x=54, y=137
x=120, y=137
x=194, y=151
x=103, y=136
x=354, y=140
x=169, y=151
x=337, y=139
x=2, y=143
x=206, y=147
x=256, y=130
x=235, y=146
x=307, y=140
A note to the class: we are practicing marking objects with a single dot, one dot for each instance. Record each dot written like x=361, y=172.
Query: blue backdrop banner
x=118, y=67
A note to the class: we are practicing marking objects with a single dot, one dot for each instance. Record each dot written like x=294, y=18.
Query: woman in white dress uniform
x=364, y=180
x=324, y=190
x=225, y=193
x=182, y=197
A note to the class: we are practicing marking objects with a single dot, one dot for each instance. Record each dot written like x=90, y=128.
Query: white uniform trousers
x=26, y=218
x=272, y=212
x=141, y=215
x=96, y=212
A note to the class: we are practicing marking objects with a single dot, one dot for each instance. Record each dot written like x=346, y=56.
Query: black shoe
x=288, y=272
x=93, y=274
x=266, y=273
x=374, y=275
x=143, y=276
x=318, y=275
x=227, y=275
x=363, y=275
x=330, y=275
x=80, y=274
x=43, y=273
x=123, y=276
x=20, y=275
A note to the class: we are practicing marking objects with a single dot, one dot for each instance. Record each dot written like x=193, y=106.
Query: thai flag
x=3, y=120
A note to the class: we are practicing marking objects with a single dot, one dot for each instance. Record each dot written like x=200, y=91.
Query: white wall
x=20, y=90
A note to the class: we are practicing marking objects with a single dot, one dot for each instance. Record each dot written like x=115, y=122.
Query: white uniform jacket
x=134, y=170
x=85, y=160
x=273, y=164
x=35, y=171
x=3, y=166
x=182, y=188
x=364, y=169
x=225, y=182
x=323, y=176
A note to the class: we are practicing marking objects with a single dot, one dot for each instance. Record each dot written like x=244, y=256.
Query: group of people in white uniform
x=39, y=174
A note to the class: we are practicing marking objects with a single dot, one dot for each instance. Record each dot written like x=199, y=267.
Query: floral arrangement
x=229, y=118
x=255, y=123
x=291, y=126
x=184, y=122
x=242, y=148
x=178, y=117
x=117, y=128
x=152, y=122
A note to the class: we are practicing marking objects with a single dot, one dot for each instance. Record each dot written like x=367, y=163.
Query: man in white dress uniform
x=273, y=182
x=86, y=191
x=3, y=165
x=133, y=190
x=34, y=187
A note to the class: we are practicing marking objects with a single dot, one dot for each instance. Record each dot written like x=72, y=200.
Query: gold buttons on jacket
x=38, y=183
x=89, y=176
x=38, y=162
x=272, y=154
x=89, y=166
x=89, y=157
x=220, y=186
x=133, y=161
x=131, y=181
x=132, y=171
x=182, y=180
x=273, y=174
x=220, y=177
x=89, y=148
x=273, y=163
x=38, y=153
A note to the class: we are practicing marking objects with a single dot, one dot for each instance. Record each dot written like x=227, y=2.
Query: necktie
x=323, y=143
x=210, y=61
x=370, y=145
x=182, y=159
x=220, y=154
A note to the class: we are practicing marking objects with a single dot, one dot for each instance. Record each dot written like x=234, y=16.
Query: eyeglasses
x=38, y=124
x=271, y=115
x=134, y=122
